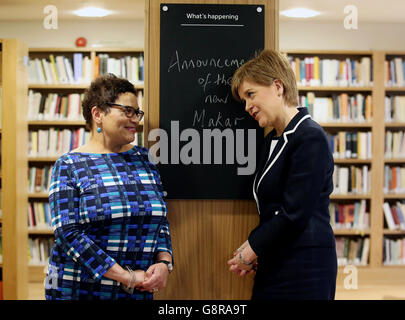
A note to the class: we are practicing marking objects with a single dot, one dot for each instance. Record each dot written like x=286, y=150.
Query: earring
x=99, y=129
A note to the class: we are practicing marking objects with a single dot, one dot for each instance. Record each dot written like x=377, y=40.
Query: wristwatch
x=167, y=263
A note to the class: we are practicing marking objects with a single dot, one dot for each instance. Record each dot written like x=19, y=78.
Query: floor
x=364, y=292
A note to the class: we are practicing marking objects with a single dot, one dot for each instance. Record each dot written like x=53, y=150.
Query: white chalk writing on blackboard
x=180, y=64
x=220, y=79
x=200, y=119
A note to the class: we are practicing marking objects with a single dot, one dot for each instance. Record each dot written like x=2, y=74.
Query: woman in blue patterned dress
x=108, y=212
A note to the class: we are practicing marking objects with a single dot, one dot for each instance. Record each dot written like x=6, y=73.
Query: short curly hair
x=104, y=89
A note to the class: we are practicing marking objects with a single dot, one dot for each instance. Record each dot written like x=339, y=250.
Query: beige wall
x=293, y=35
x=333, y=36
x=105, y=33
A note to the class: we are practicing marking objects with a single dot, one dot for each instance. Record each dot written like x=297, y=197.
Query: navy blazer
x=292, y=189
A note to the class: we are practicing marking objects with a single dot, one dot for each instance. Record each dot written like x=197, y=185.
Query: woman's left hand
x=155, y=278
x=244, y=254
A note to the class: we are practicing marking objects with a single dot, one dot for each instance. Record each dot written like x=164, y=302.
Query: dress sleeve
x=164, y=242
x=65, y=214
x=163, y=238
x=308, y=164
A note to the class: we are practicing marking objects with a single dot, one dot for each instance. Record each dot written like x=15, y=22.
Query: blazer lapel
x=282, y=143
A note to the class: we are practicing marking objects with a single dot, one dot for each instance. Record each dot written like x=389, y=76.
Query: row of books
x=395, y=72
x=61, y=70
x=394, y=215
x=39, y=179
x=350, y=145
x=79, y=69
x=352, y=216
x=394, y=108
x=54, y=106
x=55, y=141
x=314, y=71
x=394, y=144
x=394, y=179
x=128, y=67
x=351, y=179
x=39, y=250
x=353, y=251
x=338, y=108
x=394, y=251
x=39, y=215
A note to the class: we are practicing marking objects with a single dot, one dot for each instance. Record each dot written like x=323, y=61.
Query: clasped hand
x=244, y=260
x=153, y=279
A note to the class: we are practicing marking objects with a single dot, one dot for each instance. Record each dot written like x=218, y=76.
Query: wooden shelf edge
x=394, y=196
x=352, y=161
x=42, y=159
x=329, y=52
x=85, y=49
x=388, y=232
x=346, y=124
x=333, y=88
x=351, y=232
x=38, y=195
x=59, y=122
x=349, y=197
x=38, y=231
x=394, y=88
x=58, y=86
x=63, y=122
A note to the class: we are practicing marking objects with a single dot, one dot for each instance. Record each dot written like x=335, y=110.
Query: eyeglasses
x=129, y=111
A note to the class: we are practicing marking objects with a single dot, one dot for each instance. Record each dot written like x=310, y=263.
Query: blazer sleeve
x=65, y=214
x=307, y=170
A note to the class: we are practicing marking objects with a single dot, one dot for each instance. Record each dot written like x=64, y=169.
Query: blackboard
x=208, y=144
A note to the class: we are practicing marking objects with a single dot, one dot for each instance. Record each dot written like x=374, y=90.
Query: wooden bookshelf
x=14, y=168
x=36, y=273
x=392, y=89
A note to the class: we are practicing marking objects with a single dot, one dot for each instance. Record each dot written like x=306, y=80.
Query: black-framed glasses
x=128, y=110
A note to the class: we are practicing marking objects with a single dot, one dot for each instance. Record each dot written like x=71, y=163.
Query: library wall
x=294, y=35
x=303, y=35
x=113, y=33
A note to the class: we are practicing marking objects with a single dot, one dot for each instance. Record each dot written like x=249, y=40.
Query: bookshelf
x=52, y=90
x=394, y=160
x=13, y=82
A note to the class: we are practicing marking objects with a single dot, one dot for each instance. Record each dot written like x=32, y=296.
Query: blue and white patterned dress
x=105, y=208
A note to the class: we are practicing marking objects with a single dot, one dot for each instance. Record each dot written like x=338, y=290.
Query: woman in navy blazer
x=293, y=247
